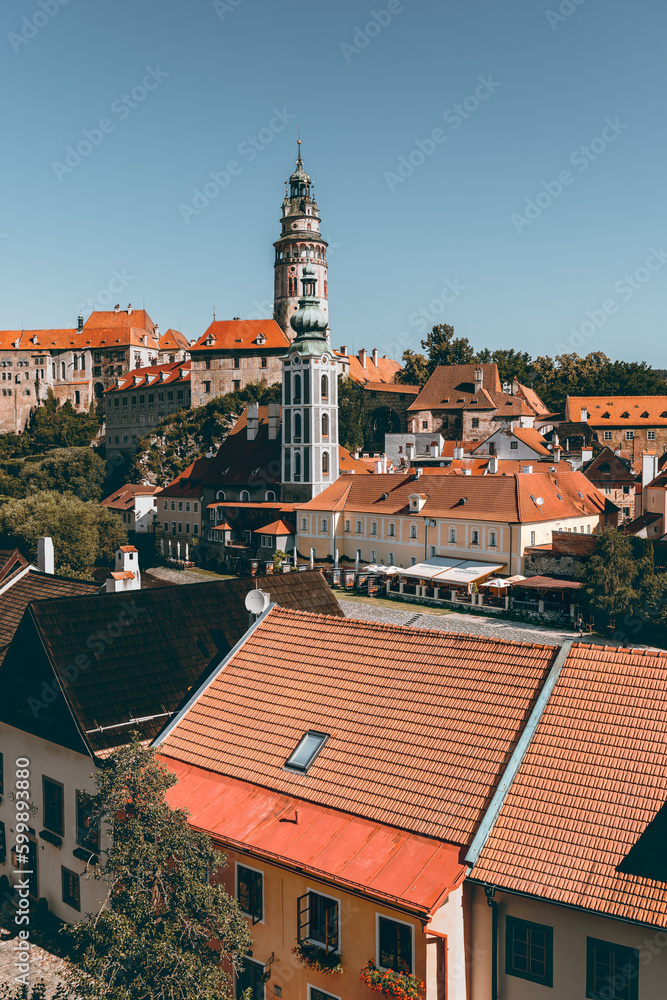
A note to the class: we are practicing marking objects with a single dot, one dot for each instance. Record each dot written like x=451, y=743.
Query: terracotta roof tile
x=421, y=723
x=592, y=781
x=379, y=374
x=123, y=499
x=607, y=411
x=242, y=334
x=278, y=527
x=452, y=387
x=174, y=340
x=152, y=376
x=533, y=438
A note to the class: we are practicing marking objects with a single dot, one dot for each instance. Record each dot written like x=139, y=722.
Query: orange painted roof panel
x=390, y=864
x=242, y=335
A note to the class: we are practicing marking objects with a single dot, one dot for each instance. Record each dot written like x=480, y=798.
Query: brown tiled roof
x=123, y=499
x=122, y=320
x=188, y=484
x=409, y=390
x=421, y=724
x=173, y=340
x=242, y=335
x=608, y=467
x=547, y=582
x=11, y=562
x=608, y=411
x=169, y=637
x=452, y=387
x=592, y=781
x=35, y=586
x=383, y=372
x=487, y=498
x=539, y=408
x=148, y=377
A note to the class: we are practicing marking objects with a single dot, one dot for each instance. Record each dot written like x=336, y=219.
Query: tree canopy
x=350, y=413
x=164, y=929
x=52, y=425
x=552, y=378
x=83, y=533
x=80, y=471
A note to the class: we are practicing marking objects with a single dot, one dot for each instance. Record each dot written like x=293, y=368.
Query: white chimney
x=116, y=308
x=129, y=308
x=418, y=473
x=274, y=420
x=467, y=472
x=515, y=386
x=45, y=561
x=436, y=451
x=375, y=356
x=493, y=465
x=384, y=463
x=410, y=451
x=458, y=453
x=584, y=415
x=343, y=349
x=649, y=468
x=362, y=357
x=586, y=455
x=527, y=468
x=378, y=466
x=479, y=378
x=253, y=420
x=557, y=453
x=126, y=575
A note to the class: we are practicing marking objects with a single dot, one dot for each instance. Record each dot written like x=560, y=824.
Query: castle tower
x=310, y=401
x=300, y=243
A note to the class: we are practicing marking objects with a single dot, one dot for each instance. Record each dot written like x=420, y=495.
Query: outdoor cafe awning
x=441, y=570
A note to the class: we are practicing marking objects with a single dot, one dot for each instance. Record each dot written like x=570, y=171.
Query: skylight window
x=309, y=747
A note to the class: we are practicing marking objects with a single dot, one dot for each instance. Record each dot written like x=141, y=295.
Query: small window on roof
x=309, y=746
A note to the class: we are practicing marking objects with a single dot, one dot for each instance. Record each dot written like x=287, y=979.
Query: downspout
x=490, y=892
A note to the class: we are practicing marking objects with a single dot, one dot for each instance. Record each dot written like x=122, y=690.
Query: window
x=173, y=505
x=394, y=945
x=612, y=971
x=53, y=805
x=650, y=435
x=208, y=364
x=452, y=536
x=250, y=892
x=391, y=559
x=514, y=445
x=325, y=387
x=297, y=388
x=270, y=496
x=297, y=426
x=424, y=425
x=180, y=505
x=629, y=435
x=314, y=994
x=324, y=526
x=251, y=978
x=304, y=524
x=529, y=951
x=432, y=551
x=607, y=435
x=236, y=385
x=170, y=395
x=325, y=425
x=474, y=537
x=532, y=537
x=374, y=527
x=413, y=531
x=475, y=423
x=492, y=539
x=392, y=529
x=77, y=397
x=195, y=529
x=87, y=834
x=245, y=496
x=71, y=888
x=302, y=758
x=264, y=362
x=318, y=920
x=412, y=560
x=187, y=505
x=358, y=527
x=195, y=507
x=237, y=362
x=187, y=527
x=325, y=463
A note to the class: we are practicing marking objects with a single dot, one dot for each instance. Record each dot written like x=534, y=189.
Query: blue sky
x=497, y=222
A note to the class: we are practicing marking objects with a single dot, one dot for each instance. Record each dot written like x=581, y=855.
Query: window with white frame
x=304, y=523
x=392, y=529
x=607, y=435
x=395, y=945
x=474, y=536
x=391, y=559
x=629, y=435
x=532, y=537
x=413, y=531
x=492, y=539
x=324, y=526
x=650, y=435
x=452, y=536
x=358, y=527
x=318, y=921
x=250, y=892
x=374, y=527
x=374, y=556
x=432, y=551
x=347, y=524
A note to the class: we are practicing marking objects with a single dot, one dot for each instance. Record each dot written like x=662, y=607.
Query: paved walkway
x=496, y=628
x=43, y=966
x=167, y=575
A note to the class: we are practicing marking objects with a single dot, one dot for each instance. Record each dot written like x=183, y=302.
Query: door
x=250, y=977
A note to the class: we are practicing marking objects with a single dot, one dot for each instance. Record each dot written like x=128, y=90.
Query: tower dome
x=309, y=322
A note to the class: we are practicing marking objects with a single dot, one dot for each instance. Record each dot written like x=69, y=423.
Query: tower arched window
x=297, y=426
x=325, y=463
x=270, y=496
x=297, y=466
x=297, y=388
x=325, y=425
x=220, y=495
x=325, y=387
x=245, y=496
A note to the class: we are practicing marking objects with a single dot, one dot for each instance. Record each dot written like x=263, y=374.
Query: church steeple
x=300, y=243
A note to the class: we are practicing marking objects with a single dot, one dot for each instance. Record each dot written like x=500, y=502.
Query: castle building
x=300, y=243
x=310, y=400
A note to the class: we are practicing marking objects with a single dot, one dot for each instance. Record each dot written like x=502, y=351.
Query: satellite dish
x=257, y=601
x=539, y=501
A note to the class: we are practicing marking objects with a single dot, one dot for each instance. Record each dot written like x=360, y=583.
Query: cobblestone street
x=43, y=965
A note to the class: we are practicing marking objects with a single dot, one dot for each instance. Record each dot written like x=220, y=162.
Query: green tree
x=609, y=575
x=511, y=364
x=56, y=424
x=83, y=533
x=350, y=413
x=75, y=470
x=163, y=931
x=443, y=349
x=415, y=369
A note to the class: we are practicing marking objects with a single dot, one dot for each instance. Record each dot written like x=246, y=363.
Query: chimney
x=378, y=466
x=527, y=468
x=252, y=420
x=586, y=455
x=343, y=349
x=584, y=415
x=515, y=386
x=436, y=451
x=418, y=472
x=126, y=575
x=458, y=453
x=374, y=353
x=156, y=331
x=492, y=467
x=274, y=420
x=129, y=308
x=79, y=323
x=116, y=308
x=362, y=357
x=649, y=468
x=479, y=378
x=557, y=454
x=16, y=344
x=410, y=451
x=45, y=555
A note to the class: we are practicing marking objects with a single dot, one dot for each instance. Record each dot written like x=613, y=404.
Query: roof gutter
x=161, y=736
x=517, y=757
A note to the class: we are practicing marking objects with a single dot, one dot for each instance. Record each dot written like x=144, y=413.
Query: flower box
x=393, y=984
x=318, y=959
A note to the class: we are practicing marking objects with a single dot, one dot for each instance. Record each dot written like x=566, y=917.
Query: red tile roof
x=539, y=408
x=242, y=335
x=127, y=548
x=592, y=781
x=532, y=438
x=348, y=463
x=152, y=376
x=188, y=484
x=390, y=864
x=110, y=319
x=173, y=340
x=487, y=498
x=409, y=390
x=279, y=527
x=383, y=372
x=607, y=411
x=421, y=723
x=123, y=499
x=452, y=387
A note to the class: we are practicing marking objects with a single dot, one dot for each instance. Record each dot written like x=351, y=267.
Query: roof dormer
x=417, y=501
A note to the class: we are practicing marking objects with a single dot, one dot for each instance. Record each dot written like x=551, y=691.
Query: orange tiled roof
x=241, y=334
x=487, y=498
x=278, y=527
x=188, y=484
x=607, y=411
x=537, y=405
x=421, y=723
x=128, y=548
x=123, y=499
x=109, y=319
x=383, y=372
x=452, y=387
x=173, y=340
x=124, y=575
x=533, y=438
x=149, y=376
x=480, y=467
x=410, y=390
x=348, y=463
x=592, y=781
